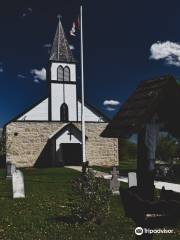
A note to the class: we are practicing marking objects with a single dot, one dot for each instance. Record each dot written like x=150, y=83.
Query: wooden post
x=147, y=141
x=144, y=181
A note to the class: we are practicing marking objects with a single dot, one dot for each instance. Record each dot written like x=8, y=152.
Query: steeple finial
x=59, y=16
x=60, y=49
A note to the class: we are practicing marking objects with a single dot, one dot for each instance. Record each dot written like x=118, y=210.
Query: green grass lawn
x=37, y=217
x=131, y=166
x=124, y=167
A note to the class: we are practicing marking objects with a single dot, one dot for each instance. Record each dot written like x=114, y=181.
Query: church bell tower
x=62, y=80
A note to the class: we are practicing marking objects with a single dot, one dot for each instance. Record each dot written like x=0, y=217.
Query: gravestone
x=132, y=179
x=10, y=169
x=114, y=183
x=18, y=184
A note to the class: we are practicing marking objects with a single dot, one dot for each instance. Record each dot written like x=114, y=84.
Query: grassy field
x=39, y=215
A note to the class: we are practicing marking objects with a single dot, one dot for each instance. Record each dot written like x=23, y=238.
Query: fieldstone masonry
x=26, y=140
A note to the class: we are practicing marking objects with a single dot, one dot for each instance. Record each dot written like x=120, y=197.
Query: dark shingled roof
x=60, y=49
x=160, y=95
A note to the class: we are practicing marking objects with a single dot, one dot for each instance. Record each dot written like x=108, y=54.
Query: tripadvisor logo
x=139, y=231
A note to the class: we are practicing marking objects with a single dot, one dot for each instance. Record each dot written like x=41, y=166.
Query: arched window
x=66, y=74
x=64, y=113
x=60, y=73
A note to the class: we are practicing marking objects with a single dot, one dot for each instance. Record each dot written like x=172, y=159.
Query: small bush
x=91, y=198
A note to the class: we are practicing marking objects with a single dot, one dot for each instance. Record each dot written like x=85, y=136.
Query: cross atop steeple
x=59, y=16
x=60, y=49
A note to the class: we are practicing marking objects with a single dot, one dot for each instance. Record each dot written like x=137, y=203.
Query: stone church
x=49, y=133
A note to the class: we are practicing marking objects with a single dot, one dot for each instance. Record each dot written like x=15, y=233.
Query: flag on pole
x=75, y=27
x=82, y=90
x=75, y=31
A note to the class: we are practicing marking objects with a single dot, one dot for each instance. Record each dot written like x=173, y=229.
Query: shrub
x=91, y=198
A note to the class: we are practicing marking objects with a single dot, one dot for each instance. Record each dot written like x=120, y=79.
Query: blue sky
x=125, y=42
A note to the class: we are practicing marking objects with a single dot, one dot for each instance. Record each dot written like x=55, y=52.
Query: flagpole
x=82, y=89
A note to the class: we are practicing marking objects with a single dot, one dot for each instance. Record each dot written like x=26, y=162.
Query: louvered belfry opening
x=66, y=74
x=60, y=73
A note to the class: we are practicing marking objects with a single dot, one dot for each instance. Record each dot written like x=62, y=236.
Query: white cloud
x=21, y=76
x=27, y=12
x=71, y=47
x=39, y=75
x=110, y=109
x=1, y=67
x=47, y=45
x=24, y=15
x=169, y=51
x=29, y=9
x=111, y=105
x=36, y=80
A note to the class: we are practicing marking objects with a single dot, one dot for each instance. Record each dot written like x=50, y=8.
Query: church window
x=64, y=113
x=60, y=73
x=66, y=74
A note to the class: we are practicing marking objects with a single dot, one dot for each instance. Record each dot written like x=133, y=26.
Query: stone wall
x=27, y=140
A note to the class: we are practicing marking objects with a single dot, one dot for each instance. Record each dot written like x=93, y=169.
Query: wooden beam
x=145, y=167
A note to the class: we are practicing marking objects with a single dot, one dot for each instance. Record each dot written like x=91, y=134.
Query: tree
x=91, y=198
x=2, y=150
x=2, y=145
x=167, y=149
x=127, y=150
x=6, y=149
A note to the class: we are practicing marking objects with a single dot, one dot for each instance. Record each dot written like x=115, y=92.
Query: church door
x=71, y=154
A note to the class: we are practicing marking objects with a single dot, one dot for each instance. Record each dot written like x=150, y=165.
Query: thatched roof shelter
x=160, y=95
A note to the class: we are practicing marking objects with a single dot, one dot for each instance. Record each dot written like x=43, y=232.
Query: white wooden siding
x=39, y=112
x=57, y=100
x=90, y=116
